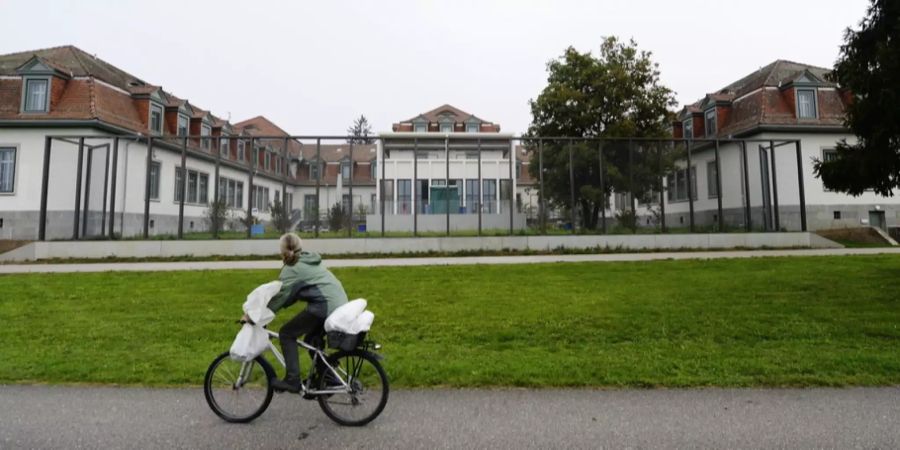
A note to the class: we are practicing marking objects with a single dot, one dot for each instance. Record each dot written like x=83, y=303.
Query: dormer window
x=205, y=130
x=223, y=146
x=374, y=168
x=156, y=118
x=446, y=128
x=241, y=156
x=472, y=128
x=183, y=125
x=345, y=170
x=36, y=98
x=268, y=160
x=688, y=127
x=710, y=122
x=806, y=104
x=420, y=128
x=314, y=170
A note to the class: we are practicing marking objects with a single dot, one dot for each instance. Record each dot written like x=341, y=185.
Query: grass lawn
x=749, y=322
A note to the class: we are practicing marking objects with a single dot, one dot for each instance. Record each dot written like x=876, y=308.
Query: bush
x=626, y=219
x=336, y=217
x=216, y=215
x=281, y=217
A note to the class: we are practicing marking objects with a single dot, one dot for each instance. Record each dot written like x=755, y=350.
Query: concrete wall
x=260, y=247
x=438, y=222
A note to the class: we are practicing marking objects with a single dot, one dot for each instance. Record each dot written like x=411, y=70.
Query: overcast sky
x=312, y=67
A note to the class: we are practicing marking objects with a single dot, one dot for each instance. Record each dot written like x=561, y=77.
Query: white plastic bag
x=256, y=306
x=342, y=319
x=250, y=342
x=362, y=323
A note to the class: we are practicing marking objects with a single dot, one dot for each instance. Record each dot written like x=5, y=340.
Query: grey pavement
x=464, y=260
x=92, y=417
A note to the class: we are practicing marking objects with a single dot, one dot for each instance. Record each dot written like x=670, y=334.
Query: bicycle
x=343, y=382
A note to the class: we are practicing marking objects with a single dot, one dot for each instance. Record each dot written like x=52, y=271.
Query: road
x=100, y=417
x=463, y=260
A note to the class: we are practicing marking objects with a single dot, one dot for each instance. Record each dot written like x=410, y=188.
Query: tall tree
x=869, y=67
x=360, y=131
x=614, y=94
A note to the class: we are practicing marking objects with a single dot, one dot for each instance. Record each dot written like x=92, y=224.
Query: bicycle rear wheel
x=238, y=391
x=368, y=388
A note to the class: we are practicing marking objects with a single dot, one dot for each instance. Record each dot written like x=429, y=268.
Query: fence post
x=447, y=179
x=480, y=188
x=45, y=179
x=78, y=187
x=719, y=193
x=691, y=176
x=512, y=184
x=319, y=169
x=87, y=191
x=662, y=193
x=251, y=169
x=542, y=211
x=383, y=159
x=350, y=179
x=112, y=189
x=632, y=199
x=603, y=198
x=774, y=185
x=800, y=183
x=572, y=185
x=147, y=189
x=415, y=187
x=105, y=191
x=748, y=225
x=183, y=187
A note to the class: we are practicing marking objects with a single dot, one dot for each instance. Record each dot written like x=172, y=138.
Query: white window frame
x=224, y=146
x=46, y=106
x=472, y=128
x=186, y=187
x=187, y=125
x=158, y=164
x=348, y=165
x=446, y=125
x=688, y=125
x=154, y=107
x=672, y=188
x=15, y=167
x=205, y=131
x=242, y=155
x=711, y=183
x=715, y=121
x=420, y=127
x=815, y=103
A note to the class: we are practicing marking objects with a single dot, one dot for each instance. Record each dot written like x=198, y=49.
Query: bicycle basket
x=344, y=341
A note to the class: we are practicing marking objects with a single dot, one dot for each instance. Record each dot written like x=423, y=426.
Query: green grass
x=758, y=322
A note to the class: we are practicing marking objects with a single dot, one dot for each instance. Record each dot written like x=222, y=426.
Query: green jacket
x=308, y=281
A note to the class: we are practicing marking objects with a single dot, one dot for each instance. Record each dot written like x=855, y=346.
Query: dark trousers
x=304, y=323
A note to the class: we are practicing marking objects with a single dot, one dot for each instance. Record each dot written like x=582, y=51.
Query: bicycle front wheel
x=366, y=395
x=238, y=391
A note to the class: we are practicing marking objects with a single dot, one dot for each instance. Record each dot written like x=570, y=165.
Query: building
x=447, y=169
x=66, y=91
x=781, y=101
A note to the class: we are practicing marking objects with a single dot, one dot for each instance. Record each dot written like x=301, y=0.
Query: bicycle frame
x=305, y=387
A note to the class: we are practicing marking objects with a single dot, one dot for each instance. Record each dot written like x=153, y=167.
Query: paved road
x=466, y=260
x=79, y=417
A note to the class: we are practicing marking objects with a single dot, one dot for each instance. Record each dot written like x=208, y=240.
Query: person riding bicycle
x=304, y=279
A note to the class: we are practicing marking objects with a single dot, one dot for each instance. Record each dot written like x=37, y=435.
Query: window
x=268, y=160
x=238, y=194
x=223, y=146
x=345, y=170
x=388, y=195
x=806, y=103
x=489, y=199
x=205, y=131
x=230, y=191
x=309, y=207
x=471, y=155
x=7, y=169
x=518, y=169
x=182, y=125
x=471, y=196
x=374, y=167
x=472, y=128
x=710, y=122
x=241, y=155
x=314, y=170
x=689, y=128
x=261, y=198
x=197, y=187
x=829, y=154
x=446, y=128
x=422, y=193
x=154, y=180
x=420, y=127
x=505, y=194
x=36, y=95
x=345, y=203
x=837, y=215
x=404, y=196
x=711, y=186
x=156, y=119
x=678, y=187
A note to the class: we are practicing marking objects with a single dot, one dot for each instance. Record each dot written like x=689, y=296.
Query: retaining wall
x=266, y=247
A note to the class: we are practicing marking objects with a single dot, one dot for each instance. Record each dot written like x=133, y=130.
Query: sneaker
x=291, y=385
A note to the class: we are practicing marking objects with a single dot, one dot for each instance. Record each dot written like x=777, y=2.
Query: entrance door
x=876, y=219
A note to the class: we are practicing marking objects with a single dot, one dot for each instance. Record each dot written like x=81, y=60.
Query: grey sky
x=313, y=66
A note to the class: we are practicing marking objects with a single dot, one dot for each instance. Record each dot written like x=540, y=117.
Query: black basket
x=344, y=341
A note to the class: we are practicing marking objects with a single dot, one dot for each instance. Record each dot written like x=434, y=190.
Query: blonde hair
x=291, y=245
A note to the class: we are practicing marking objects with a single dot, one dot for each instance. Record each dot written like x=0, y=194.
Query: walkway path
x=90, y=417
x=465, y=260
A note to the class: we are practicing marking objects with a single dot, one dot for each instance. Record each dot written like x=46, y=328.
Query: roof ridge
x=34, y=51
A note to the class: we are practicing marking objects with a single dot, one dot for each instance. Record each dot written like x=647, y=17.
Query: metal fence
x=523, y=185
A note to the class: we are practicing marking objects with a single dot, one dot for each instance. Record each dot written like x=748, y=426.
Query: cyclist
x=304, y=279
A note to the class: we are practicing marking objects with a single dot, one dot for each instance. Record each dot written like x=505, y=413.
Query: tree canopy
x=614, y=94
x=360, y=131
x=869, y=67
